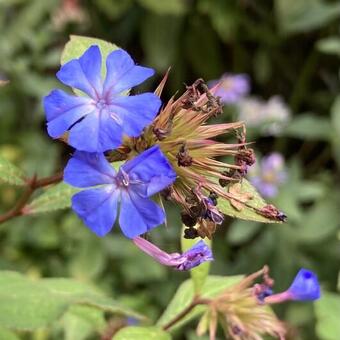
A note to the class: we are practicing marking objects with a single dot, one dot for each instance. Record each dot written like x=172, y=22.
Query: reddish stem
x=32, y=184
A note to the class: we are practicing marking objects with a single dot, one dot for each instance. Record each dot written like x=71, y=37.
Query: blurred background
x=288, y=52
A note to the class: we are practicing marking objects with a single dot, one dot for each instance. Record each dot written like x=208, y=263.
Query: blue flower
x=97, y=120
x=305, y=286
x=133, y=185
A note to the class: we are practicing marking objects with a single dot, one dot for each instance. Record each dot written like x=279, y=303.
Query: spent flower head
x=241, y=311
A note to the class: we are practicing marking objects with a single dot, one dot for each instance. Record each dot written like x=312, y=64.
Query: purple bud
x=305, y=287
x=191, y=258
x=196, y=255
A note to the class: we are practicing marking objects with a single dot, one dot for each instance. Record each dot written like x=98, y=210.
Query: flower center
x=101, y=104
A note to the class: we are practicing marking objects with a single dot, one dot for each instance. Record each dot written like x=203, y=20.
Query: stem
x=195, y=302
x=32, y=184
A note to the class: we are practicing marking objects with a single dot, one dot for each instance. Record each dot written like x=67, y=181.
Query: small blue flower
x=136, y=181
x=305, y=286
x=97, y=121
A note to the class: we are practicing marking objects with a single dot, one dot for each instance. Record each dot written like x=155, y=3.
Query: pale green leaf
x=6, y=334
x=54, y=198
x=9, y=173
x=321, y=221
x=242, y=231
x=309, y=127
x=327, y=311
x=185, y=294
x=27, y=304
x=247, y=213
x=82, y=321
x=200, y=273
x=141, y=333
x=305, y=15
x=330, y=45
x=77, y=45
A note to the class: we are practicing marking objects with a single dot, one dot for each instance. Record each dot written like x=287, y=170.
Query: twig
x=195, y=302
x=32, y=184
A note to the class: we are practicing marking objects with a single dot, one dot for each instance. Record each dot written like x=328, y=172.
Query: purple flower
x=133, y=185
x=97, y=121
x=191, y=258
x=231, y=87
x=305, y=287
x=269, y=175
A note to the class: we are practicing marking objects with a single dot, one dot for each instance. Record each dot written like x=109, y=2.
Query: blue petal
x=305, y=286
x=58, y=101
x=138, y=215
x=97, y=208
x=63, y=110
x=84, y=73
x=88, y=169
x=136, y=112
x=122, y=73
x=97, y=132
x=151, y=167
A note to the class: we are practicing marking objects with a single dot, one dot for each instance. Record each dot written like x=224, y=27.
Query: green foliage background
x=288, y=47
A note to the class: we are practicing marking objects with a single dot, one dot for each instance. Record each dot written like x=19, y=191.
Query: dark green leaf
x=28, y=305
x=173, y=7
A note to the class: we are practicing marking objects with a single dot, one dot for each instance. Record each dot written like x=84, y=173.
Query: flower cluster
x=270, y=117
x=243, y=308
x=269, y=174
x=100, y=120
x=169, y=150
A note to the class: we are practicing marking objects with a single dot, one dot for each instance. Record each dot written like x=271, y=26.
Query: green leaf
x=141, y=333
x=335, y=120
x=54, y=198
x=173, y=7
x=330, y=45
x=9, y=173
x=305, y=15
x=242, y=231
x=158, y=54
x=82, y=321
x=309, y=127
x=200, y=273
x=28, y=305
x=246, y=213
x=6, y=334
x=213, y=286
x=319, y=222
x=327, y=315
